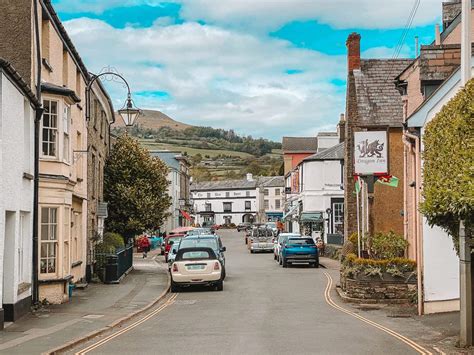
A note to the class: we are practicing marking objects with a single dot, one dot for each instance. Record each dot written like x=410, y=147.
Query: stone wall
x=374, y=289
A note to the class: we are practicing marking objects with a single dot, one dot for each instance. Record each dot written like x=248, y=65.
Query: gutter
x=418, y=218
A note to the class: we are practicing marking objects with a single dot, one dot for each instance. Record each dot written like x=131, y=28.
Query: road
x=264, y=309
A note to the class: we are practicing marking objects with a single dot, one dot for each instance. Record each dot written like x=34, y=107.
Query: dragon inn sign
x=370, y=153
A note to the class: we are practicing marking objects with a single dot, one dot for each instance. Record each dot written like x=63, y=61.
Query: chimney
x=437, y=35
x=353, y=51
x=249, y=177
x=341, y=128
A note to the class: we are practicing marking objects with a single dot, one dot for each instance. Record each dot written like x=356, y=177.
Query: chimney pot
x=437, y=35
x=353, y=51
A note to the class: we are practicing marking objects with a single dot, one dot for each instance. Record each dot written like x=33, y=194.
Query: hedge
x=448, y=170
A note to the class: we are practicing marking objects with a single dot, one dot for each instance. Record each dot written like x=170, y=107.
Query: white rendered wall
x=16, y=193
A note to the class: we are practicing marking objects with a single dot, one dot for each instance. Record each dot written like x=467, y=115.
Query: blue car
x=299, y=250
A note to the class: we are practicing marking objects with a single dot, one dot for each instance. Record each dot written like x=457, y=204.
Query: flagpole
x=362, y=186
x=358, y=222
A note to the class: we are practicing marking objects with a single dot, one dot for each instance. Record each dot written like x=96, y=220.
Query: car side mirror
x=223, y=249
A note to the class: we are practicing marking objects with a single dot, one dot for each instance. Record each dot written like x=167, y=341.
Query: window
x=22, y=243
x=277, y=203
x=277, y=192
x=66, y=129
x=50, y=128
x=66, y=234
x=266, y=204
x=102, y=121
x=94, y=176
x=208, y=207
x=338, y=217
x=49, y=240
x=247, y=193
x=265, y=192
x=227, y=206
x=227, y=194
x=248, y=205
x=208, y=195
x=227, y=219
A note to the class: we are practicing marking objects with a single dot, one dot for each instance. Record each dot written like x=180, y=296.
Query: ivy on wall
x=448, y=171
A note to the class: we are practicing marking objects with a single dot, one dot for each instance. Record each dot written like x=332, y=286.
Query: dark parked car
x=244, y=226
x=299, y=250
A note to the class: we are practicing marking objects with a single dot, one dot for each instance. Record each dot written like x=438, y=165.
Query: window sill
x=49, y=158
x=28, y=176
x=55, y=280
x=76, y=263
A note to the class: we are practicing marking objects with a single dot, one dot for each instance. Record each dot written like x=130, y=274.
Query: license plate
x=195, y=267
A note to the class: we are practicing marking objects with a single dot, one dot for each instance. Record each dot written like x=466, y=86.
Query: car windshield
x=199, y=254
x=271, y=224
x=174, y=240
x=300, y=241
x=199, y=242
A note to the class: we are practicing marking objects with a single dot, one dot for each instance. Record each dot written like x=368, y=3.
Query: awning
x=186, y=215
x=311, y=217
x=290, y=212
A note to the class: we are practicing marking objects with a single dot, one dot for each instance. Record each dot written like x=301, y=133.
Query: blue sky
x=262, y=67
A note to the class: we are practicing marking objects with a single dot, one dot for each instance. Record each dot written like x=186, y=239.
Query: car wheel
x=251, y=251
x=284, y=263
x=220, y=286
x=174, y=287
x=223, y=273
x=312, y=264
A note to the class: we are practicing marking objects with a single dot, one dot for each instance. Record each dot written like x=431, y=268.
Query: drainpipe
x=417, y=230
x=38, y=116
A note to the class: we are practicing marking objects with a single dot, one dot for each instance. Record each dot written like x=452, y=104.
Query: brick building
x=295, y=149
x=373, y=103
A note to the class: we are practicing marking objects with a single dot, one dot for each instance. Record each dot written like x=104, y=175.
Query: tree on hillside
x=448, y=169
x=135, y=187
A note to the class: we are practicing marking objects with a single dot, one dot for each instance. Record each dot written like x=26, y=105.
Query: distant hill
x=154, y=120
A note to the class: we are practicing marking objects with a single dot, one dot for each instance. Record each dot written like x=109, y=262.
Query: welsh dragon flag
x=388, y=180
x=357, y=184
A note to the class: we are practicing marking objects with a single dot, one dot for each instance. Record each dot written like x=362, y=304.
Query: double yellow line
x=94, y=346
x=411, y=343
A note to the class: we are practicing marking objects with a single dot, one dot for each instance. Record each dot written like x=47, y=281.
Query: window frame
x=54, y=242
x=228, y=204
x=50, y=128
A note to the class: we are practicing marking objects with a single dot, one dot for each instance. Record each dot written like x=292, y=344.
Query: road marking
x=409, y=342
x=94, y=346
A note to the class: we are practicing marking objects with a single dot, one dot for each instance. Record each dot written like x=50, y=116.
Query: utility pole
x=465, y=264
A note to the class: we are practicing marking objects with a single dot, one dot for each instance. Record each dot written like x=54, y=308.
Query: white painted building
x=17, y=112
x=178, y=188
x=226, y=202
x=321, y=194
x=440, y=263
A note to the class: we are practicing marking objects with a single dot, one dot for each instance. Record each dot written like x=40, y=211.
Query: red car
x=169, y=241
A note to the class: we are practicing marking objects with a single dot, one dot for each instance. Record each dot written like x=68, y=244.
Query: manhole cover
x=93, y=316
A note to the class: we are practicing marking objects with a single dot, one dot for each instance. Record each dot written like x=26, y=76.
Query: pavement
x=90, y=309
x=266, y=309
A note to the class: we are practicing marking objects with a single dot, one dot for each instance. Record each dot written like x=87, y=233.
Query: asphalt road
x=264, y=309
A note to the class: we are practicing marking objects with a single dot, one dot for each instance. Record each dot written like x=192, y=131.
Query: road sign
x=370, y=153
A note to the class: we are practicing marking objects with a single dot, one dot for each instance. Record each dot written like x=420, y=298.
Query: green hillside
x=213, y=153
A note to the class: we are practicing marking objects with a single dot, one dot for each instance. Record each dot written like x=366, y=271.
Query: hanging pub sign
x=370, y=152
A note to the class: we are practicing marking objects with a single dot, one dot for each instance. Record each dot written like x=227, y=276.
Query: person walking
x=144, y=244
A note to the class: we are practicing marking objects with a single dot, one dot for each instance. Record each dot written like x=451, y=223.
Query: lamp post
x=128, y=112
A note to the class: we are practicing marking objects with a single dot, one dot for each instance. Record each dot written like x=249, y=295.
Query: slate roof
x=378, y=101
x=272, y=181
x=168, y=157
x=224, y=185
x=334, y=153
x=300, y=144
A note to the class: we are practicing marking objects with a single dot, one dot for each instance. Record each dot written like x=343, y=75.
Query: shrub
x=113, y=239
x=397, y=267
x=448, y=168
x=387, y=245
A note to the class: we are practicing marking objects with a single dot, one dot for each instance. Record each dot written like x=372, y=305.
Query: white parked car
x=261, y=239
x=196, y=266
x=278, y=242
x=172, y=254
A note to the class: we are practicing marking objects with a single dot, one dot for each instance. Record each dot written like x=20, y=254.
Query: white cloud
x=218, y=77
x=267, y=15
x=387, y=52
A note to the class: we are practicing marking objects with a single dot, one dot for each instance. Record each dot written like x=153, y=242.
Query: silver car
x=261, y=239
x=172, y=254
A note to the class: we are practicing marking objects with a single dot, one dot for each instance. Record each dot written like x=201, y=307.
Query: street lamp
x=128, y=112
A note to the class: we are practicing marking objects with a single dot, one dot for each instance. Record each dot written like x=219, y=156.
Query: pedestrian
x=280, y=226
x=144, y=244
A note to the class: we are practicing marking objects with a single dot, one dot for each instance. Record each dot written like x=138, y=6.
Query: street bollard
x=111, y=269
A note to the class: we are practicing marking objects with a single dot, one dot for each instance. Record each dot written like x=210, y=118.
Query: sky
x=266, y=68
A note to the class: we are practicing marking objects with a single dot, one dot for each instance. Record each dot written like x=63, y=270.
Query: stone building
x=63, y=175
x=271, y=193
x=98, y=147
x=17, y=115
x=373, y=103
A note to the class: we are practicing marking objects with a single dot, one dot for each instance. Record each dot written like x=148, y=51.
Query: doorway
x=9, y=258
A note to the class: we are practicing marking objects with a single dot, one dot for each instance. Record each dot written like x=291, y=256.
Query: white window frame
x=266, y=204
x=50, y=242
x=47, y=105
x=277, y=204
x=66, y=133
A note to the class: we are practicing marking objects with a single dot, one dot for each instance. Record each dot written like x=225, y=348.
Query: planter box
x=388, y=289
